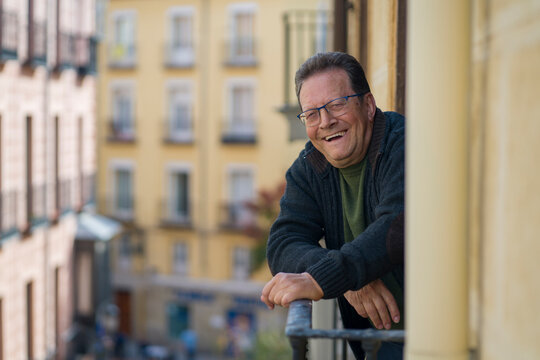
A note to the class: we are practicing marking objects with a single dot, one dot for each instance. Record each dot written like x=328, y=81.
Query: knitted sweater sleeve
x=293, y=244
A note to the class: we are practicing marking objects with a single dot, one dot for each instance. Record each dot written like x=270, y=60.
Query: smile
x=334, y=136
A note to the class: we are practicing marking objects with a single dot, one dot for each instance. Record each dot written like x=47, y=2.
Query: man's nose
x=327, y=119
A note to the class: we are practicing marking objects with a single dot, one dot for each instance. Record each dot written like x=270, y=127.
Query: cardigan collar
x=322, y=166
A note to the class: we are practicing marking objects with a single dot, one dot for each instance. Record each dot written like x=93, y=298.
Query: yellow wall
x=505, y=122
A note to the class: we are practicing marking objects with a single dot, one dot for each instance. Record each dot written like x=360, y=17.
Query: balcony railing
x=86, y=55
x=88, y=189
x=179, y=57
x=175, y=133
x=38, y=212
x=239, y=131
x=120, y=207
x=37, y=52
x=299, y=329
x=8, y=212
x=65, y=195
x=171, y=216
x=121, y=130
x=236, y=216
x=66, y=50
x=9, y=35
x=241, y=51
x=306, y=33
x=122, y=55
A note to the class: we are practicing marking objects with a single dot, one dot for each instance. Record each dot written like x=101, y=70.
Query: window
x=240, y=125
x=177, y=201
x=122, y=51
x=180, y=47
x=180, y=259
x=179, y=121
x=121, y=200
x=241, y=263
x=240, y=193
x=123, y=120
x=241, y=50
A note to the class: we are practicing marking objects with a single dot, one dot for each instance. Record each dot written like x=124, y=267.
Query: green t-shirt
x=351, y=181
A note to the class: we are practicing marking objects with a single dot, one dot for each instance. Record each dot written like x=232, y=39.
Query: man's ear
x=371, y=106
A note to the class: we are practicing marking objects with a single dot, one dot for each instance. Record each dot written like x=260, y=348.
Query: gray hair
x=331, y=60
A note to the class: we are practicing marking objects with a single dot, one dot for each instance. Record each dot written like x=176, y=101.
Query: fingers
x=285, y=288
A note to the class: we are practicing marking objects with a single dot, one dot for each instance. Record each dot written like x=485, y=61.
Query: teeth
x=341, y=133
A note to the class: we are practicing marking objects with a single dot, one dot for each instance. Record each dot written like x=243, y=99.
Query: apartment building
x=189, y=133
x=47, y=170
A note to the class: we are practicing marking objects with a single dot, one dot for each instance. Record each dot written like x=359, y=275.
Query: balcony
x=241, y=52
x=38, y=213
x=122, y=56
x=236, y=216
x=88, y=191
x=299, y=329
x=66, y=51
x=239, y=131
x=37, y=51
x=9, y=36
x=8, y=212
x=120, y=207
x=65, y=195
x=173, y=214
x=178, y=132
x=86, y=55
x=179, y=56
x=121, y=130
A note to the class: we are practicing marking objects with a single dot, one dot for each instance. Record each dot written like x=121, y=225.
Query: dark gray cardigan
x=311, y=210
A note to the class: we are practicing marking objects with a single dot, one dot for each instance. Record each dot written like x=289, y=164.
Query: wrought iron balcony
x=299, y=329
x=86, y=55
x=9, y=35
x=306, y=33
x=239, y=131
x=175, y=215
x=38, y=211
x=178, y=132
x=236, y=216
x=8, y=212
x=179, y=56
x=241, y=51
x=120, y=207
x=88, y=191
x=65, y=196
x=122, y=56
x=37, y=51
x=66, y=51
x=121, y=130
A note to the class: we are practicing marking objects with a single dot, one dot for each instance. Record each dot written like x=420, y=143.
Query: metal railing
x=241, y=51
x=85, y=54
x=121, y=129
x=179, y=57
x=66, y=50
x=122, y=55
x=172, y=216
x=239, y=130
x=9, y=207
x=9, y=28
x=178, y=132
x=236, y=215
x=37, y=52
x=299, y=329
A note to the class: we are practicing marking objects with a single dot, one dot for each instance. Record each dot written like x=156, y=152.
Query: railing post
x=371, y=347
x=299, y=318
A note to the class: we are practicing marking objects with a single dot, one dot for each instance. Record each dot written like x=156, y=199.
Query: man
x=346, y=187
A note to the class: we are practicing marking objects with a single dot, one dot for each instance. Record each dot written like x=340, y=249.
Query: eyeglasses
x=336, y=107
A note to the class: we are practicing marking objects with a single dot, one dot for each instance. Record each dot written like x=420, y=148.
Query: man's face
x=344, y=139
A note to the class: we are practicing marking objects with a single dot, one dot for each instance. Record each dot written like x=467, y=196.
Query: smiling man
x=346, y=187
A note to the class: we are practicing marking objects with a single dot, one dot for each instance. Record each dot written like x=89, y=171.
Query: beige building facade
x=47, y=167
x=189, y=133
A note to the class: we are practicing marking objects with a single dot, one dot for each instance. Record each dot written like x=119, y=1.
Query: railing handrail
x=299, y=328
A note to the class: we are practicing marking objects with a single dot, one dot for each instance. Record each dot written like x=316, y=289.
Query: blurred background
x=143, y=148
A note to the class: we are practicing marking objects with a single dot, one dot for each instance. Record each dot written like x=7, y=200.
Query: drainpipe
x=438, y=59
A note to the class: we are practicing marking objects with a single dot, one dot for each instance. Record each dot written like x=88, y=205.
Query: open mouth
x=334, y=136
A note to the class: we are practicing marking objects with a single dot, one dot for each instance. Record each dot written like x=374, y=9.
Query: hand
x=285, y=288
x=375, y=301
